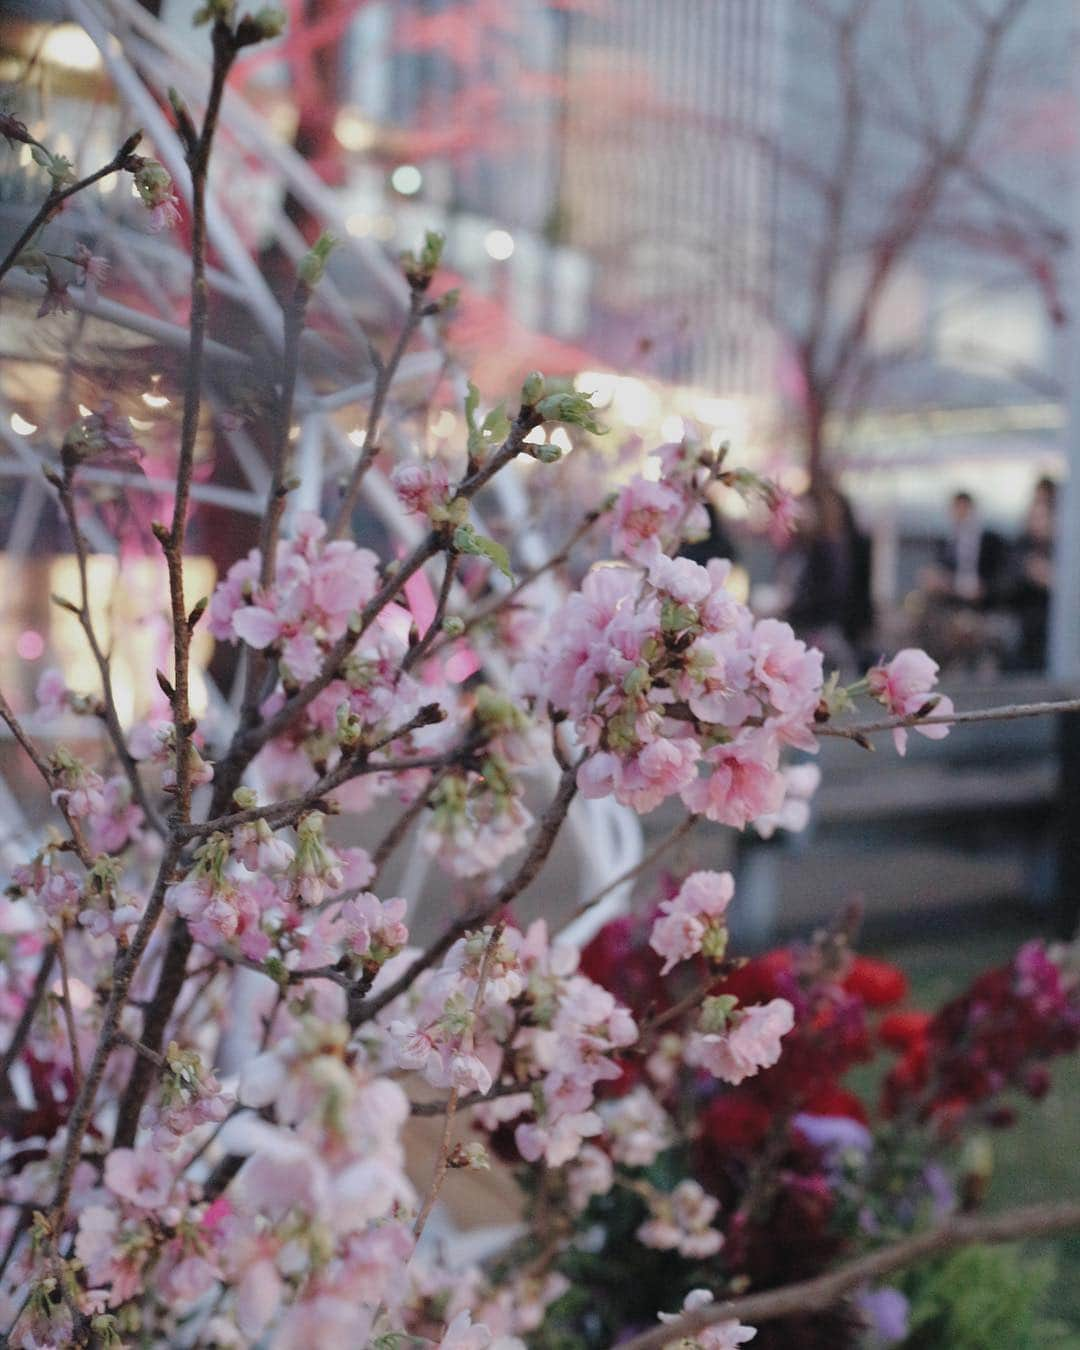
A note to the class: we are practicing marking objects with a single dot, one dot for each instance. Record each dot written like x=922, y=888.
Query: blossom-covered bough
x=156, y=1196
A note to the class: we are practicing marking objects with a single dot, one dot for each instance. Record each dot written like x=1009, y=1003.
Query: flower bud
x=313, y=264
x=532, y=391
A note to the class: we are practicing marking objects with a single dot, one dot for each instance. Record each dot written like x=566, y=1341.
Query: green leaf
x=466, y=540
x=571, y=407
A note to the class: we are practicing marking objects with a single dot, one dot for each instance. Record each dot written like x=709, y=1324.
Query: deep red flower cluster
x=995, y=1036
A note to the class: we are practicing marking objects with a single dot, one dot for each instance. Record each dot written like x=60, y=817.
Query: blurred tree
x=896, y=169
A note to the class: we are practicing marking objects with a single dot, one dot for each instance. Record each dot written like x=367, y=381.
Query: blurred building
x=666, y=185
x=597, y=172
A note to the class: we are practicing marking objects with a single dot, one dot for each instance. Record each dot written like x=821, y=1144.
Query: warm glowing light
x=294, y=432
x=123, y=609
x=672, y=428
x=445, y=424
x=21, y=427
x=560, y=438
x=499, y=244
x=384, y=227
x=70, y=46
x=795, y=479
x=738, y=584
x=652, y=469
x=358, y=225
x=29, y=644
x=155, y=400
x=353, y=130
x=718, y=412
x=138, y=424
x=407, y=179
x=635, y=402
x=84, y=411
x=358, y=436
x=536, y=437
x=599, y=385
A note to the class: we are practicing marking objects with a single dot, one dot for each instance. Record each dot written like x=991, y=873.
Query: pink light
x=29, y=644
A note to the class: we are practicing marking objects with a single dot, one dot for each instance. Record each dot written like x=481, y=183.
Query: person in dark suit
x=963, y=594
x=971, y=562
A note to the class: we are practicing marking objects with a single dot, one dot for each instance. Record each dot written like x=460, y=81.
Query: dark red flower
x=901, y=1030
x=833, y=1100
x=877, y=983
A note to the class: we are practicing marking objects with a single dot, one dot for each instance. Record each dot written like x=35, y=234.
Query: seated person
x=962, y=591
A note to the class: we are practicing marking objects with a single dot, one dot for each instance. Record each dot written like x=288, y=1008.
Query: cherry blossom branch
x=500, y=602
x=279, y=458
x=437, y=1108
x=44, y=768
x=417, y=653
x=352, y=766
x=57, y=197
x=542, y=844
x=124, y=969
x=278, y=489
x=442, y=1161
x=172, y=541
x=1009, y=712
x=248, y=741
x=400, y=828
x=384, y=378
x=69, y=1015
x=825, y=1291
x=109, y=715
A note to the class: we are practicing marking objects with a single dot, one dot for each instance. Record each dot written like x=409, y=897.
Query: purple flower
x=886, y=1313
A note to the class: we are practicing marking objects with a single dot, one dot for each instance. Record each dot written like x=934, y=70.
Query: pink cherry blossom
x=685, y=919
x=141, y=1176
x=752, y=1044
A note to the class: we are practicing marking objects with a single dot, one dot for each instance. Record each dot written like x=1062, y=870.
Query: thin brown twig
x=1005, y=713
x=172, y=540
x=543, y=842
x=45, y=769
x=500, y=602
x=109, y=715
x=29, y=1012
x=442, y=1161
x=353, y=766
x=57, y=197
x=69, y=1012
x=384, y=849
x=385, y=372
x=825, y=1291
x=669, y=840
x=417, y=653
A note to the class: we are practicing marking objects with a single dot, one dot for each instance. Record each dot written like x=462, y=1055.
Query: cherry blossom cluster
x=676, y=689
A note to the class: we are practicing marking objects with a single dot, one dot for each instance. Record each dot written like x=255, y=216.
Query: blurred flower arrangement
x=742, y=1179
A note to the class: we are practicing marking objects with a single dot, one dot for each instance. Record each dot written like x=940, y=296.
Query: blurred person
x=827, y=577
x=960, y=601
x=1032, y=576
x=971, y=561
